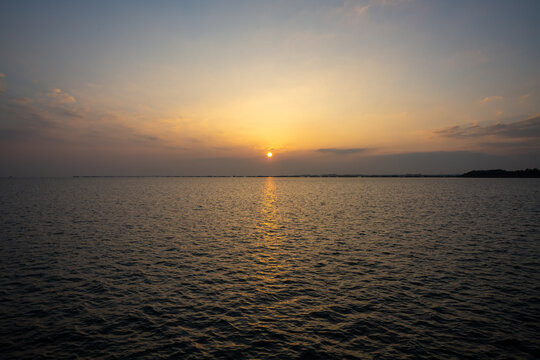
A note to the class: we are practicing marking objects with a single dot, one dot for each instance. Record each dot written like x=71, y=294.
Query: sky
x=209, y=87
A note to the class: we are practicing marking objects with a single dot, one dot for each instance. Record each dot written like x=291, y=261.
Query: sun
x=269, y=154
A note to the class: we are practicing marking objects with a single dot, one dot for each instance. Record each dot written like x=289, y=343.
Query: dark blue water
x=273, y=268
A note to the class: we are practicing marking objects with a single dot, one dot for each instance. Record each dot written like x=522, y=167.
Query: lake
x=270, y=268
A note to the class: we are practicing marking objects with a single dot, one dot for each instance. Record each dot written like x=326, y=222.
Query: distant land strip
x=497, y=173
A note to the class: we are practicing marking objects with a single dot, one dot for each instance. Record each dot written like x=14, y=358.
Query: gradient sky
x=207, y=87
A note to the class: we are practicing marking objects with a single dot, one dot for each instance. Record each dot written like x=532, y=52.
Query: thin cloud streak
x=338, y=151
x=61, y=97
x=46, y=120
x=522, y=129
x=490, y=99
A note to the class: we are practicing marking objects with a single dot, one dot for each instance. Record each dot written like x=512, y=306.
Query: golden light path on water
x=269, y=270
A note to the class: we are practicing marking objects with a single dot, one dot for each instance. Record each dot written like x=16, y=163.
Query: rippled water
x=270, y=268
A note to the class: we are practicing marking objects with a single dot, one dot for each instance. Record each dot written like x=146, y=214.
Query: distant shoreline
x=264, y=176
x=497, y=173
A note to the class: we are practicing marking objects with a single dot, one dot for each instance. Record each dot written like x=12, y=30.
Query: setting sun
x=269, y=154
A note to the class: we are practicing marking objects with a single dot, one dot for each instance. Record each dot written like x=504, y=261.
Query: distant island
x=499, y=173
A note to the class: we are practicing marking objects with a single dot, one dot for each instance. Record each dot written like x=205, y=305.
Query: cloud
x=361, y=9
x=457, y=131
x=337, y=151
x=529, y=128
x=2, y=83
x=142, y=138
x=23, y=122
x=46, y=121
x=522, y=129
x=523, y=98
x=489, y=99
x=61, y=97
x=22, y=101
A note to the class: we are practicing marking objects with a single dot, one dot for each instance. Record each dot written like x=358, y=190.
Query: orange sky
x=326, y=86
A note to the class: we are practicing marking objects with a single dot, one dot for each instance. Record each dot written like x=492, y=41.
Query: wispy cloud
x=2, y=83
x=359, y=9
x=457, y=131
x=346, y=151
x=22, y=100
x=523, y=98
x=61, y=96
x=56, y=117
x=522, y=129
x=490, y=99
x=24, y=122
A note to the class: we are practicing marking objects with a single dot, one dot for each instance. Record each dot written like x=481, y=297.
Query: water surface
x=272, y=268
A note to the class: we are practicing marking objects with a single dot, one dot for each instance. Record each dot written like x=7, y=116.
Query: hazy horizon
x=437, y=163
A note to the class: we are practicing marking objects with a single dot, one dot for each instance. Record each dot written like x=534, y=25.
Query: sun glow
x=269, y=154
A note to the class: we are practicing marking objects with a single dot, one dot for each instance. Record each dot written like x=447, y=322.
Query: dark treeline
x=498, y=173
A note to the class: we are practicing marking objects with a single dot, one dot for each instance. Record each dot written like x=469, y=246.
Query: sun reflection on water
x=268, y=210
x=268, y=262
